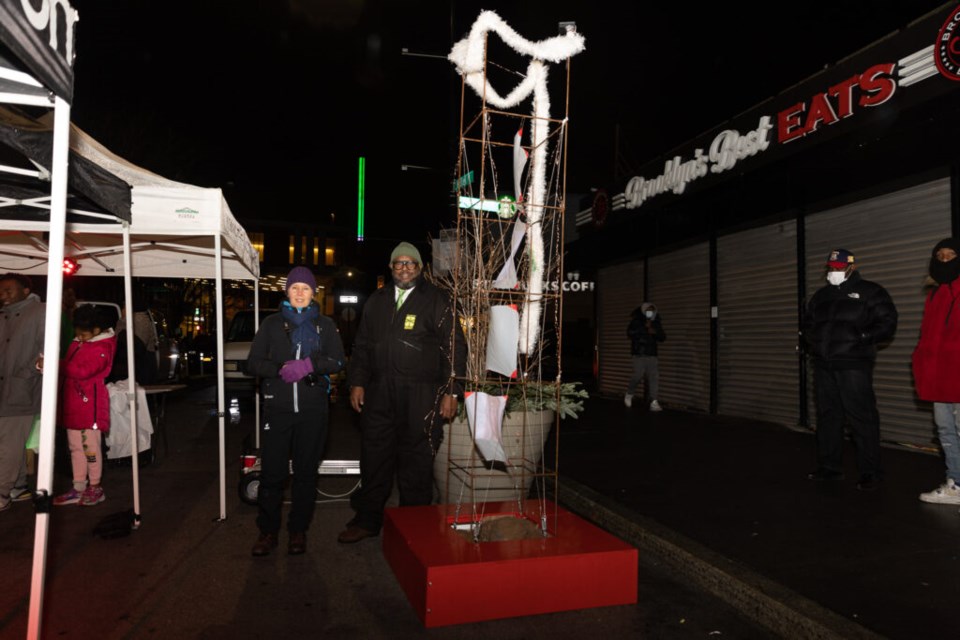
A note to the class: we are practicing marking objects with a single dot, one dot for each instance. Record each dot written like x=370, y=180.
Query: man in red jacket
x=936, y=363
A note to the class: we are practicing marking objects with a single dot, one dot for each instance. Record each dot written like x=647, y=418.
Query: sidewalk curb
x=778, y=609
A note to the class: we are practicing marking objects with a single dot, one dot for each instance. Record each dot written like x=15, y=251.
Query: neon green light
x=361, y=186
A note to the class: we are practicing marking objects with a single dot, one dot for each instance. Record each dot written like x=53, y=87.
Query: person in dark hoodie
x=645, y=332
x=842, y=325
x=936, y=363
x=293, y=353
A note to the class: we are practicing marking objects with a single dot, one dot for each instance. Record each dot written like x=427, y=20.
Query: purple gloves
x=295, y=370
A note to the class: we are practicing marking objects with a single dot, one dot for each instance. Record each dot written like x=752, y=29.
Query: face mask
x=836, y=278
x=649, y=314
x=944, y=272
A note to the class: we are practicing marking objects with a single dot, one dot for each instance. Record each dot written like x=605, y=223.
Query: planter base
x=451, y=580
x=462, y=478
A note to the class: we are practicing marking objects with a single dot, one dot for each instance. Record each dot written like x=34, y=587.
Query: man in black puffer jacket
x=842, y=325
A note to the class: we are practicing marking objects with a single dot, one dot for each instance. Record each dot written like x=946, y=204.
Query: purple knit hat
x=301, y=274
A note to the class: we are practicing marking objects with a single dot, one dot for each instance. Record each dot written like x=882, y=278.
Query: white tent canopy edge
x=177, y=230
x=172, y=226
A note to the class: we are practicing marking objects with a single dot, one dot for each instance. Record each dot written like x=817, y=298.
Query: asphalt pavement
x=734, y=542
x=726, y=503
x=187, y=574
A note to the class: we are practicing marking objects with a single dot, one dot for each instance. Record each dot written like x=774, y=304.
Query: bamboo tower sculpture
x=507, y=255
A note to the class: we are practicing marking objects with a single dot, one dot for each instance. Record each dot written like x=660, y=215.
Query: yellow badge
x=409, y=321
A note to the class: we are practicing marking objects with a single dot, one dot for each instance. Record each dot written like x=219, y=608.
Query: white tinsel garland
x=468, y=56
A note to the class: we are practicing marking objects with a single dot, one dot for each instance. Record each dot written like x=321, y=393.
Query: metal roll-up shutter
x=680, y=287
x=757, y=369
x=891, y=236
x=619, y=291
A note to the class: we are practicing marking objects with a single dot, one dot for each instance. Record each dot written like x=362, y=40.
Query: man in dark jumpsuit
x=407, y=358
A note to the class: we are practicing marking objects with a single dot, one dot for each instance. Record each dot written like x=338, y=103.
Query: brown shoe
x=355, y=533
x=264, y=544
x=298, y=543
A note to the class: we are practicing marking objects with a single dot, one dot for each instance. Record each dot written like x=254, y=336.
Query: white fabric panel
x=758, y=366
x=118, y=438
x=891, y=236
x=503, y=340
x=680, y=287
x=619, y=291
x=485, y=416
x=192, y=211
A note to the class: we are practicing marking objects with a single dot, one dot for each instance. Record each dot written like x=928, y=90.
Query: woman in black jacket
x=293, y=353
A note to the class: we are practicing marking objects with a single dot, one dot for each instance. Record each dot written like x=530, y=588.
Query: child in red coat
x=85, y=403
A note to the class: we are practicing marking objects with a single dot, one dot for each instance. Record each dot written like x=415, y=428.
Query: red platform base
x=451, y=580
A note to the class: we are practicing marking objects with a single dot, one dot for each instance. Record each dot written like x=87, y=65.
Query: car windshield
x=163, y=331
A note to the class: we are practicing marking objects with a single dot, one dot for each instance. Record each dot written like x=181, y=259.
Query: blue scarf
x=304, y=323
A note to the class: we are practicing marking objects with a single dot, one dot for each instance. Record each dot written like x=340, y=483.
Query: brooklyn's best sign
x=842, y=100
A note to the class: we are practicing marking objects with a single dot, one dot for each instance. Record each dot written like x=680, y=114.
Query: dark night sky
x=273, y=100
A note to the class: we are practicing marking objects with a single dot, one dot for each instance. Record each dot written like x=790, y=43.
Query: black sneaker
x=868, y=482
x=824, y=475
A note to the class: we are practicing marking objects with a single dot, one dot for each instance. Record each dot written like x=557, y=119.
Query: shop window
x=330, y=257
x=256, y=240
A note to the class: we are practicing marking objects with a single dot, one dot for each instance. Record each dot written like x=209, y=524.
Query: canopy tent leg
x=131, y=378
x=221, y=413
x=256, y=384
x=51, y=363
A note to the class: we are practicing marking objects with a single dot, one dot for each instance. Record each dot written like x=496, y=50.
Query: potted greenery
x=508, y=302
x=532, y=412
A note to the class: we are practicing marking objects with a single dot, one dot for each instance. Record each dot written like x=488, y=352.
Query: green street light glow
x=361, y=180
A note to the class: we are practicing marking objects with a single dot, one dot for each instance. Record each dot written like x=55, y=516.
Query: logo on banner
x=46, y=17
x=947, y=47
x=186, y=213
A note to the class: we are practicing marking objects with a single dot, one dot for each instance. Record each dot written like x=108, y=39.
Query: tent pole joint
x=42, y=502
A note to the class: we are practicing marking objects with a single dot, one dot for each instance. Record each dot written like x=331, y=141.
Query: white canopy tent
x=181, y=230
x=176, y=230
